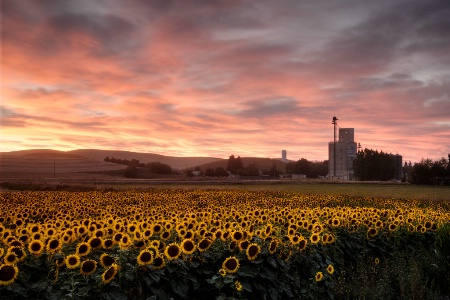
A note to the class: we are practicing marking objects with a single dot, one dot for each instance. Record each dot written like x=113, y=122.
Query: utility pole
x=334, y=146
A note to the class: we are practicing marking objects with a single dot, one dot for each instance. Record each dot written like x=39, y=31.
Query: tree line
x=428, y=172
x=132, y=170
x=371, y=165
x=235, y=166
x=312, y=169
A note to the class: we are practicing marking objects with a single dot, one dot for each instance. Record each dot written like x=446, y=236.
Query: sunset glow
x=215, y=78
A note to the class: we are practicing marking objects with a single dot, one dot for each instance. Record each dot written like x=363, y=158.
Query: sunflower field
x=214, y=244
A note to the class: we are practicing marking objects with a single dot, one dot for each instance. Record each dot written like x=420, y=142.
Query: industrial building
x=341, y=154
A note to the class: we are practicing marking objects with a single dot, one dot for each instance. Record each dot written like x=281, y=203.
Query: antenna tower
x=334, y=122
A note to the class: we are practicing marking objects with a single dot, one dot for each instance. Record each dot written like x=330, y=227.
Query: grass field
x=372, y=190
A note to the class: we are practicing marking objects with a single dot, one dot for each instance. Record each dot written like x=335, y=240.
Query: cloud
x=210, y=77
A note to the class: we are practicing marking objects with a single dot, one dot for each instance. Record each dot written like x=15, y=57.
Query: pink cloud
x=222, y=77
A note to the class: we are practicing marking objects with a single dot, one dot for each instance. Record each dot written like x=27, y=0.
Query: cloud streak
x=220, y=77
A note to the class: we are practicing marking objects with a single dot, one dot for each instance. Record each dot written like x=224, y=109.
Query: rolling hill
x=47, y=163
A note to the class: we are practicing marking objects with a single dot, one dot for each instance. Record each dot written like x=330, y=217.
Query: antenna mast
x=334, y=146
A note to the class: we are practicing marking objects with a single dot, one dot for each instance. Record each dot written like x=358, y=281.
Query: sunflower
x=125, y=242
x=231, y=264
x=53, y=245
x=188, y=246
x=83, y=249
x=88, y=267
x=107, y=244
x=319, y=276
x=157, y=228
x=72, y=261
x=377, y=260
x=204, y=245
x=2, y=251
x=243, y=245
x=295, y=239
x=172, y=251
x=110, y=273
x=222, y=272
x=165, y=235
x=11, y=259
x=330, y=269
x=330, y=238
x=302, y=244
x=314, y=238
x=106, y=260
x=273, y=246
x=36, y=247
x=145, y=257
x=238, y=286
x=19, y=252
x=371, y=232
x=232, y=246
x=392, y=227
x=335, y=222
x=236, y=236
x=8, y=273
x=252, y=251
x=95, y=242
x=158, y=262
x=117, y=237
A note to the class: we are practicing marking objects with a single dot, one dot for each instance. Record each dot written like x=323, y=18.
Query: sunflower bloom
x=231, y=264
x=110, y=273
x=8, y=273
x=72, y=261
x=330, y=269
x=88, y=267
x=158, y=262
x=172, y=251
x=252, y=251
x=273, y=246
x=106, y=260
x=319, y=276
x=36, y=247
x=188, y=246
x=53, y=245
x=238, y=286
x=314, y=238
x=204, y=245
x=145, y=257
x=83, y=249
x=222, y=272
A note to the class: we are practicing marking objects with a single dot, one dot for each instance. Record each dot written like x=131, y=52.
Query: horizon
x=202, y=79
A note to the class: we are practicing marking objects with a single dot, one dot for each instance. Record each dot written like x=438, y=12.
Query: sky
x=221, y=77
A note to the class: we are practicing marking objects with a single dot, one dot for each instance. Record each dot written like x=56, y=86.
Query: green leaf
x=248, y=271
x=272, y=262
x=246, y=286
x=180, y=287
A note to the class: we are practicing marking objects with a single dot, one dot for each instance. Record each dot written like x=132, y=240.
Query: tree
x=374, y=165
x=130, y=172
x=234, y=164
x=209, y=172
x=159, y=168
x=309, y=168
x=220, y=172
x=274, y=171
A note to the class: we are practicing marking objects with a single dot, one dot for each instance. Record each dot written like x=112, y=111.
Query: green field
x=377, y=190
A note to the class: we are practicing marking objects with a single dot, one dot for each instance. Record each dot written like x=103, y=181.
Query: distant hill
x=175, y=162
x=264, y=164
x=43, y=163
